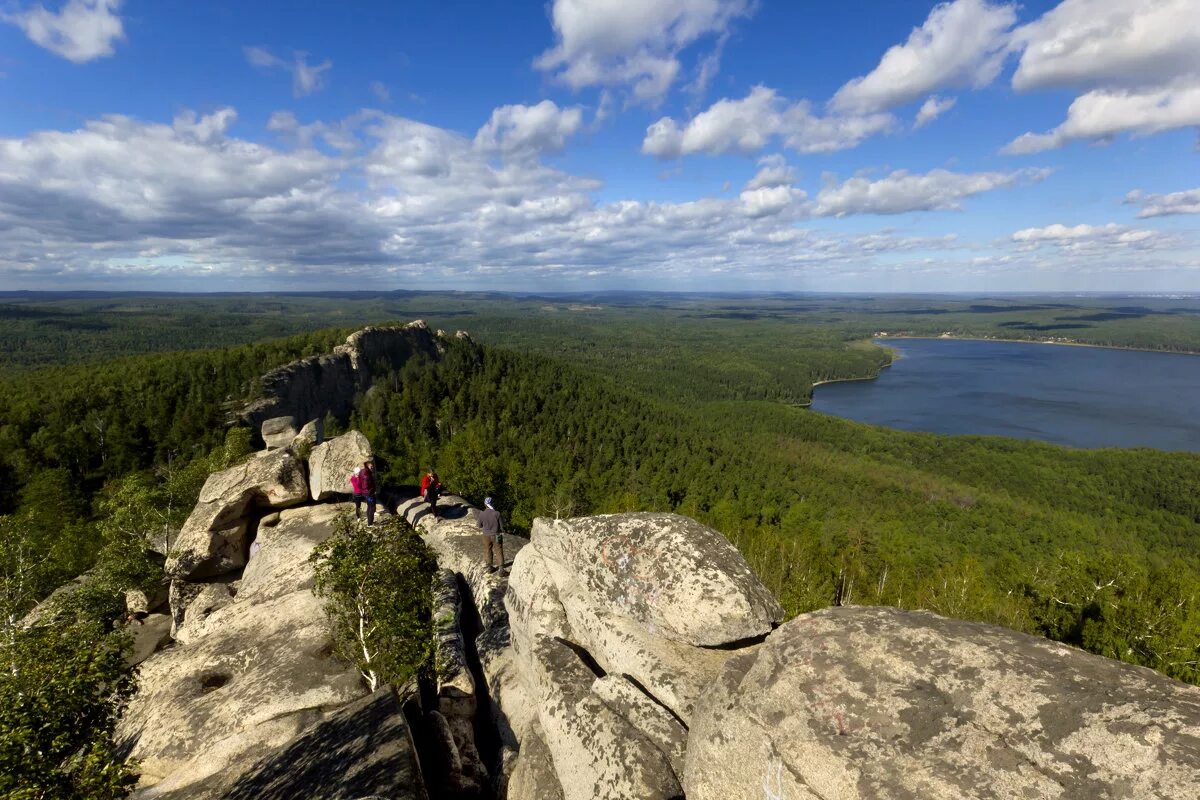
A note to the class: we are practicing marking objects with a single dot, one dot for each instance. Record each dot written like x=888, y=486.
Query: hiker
x=493, y=533
x=431, y=487
x=362, y=483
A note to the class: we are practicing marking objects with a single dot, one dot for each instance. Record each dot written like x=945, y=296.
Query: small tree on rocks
x=376, y=584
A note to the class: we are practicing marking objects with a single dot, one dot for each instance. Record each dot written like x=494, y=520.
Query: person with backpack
x=362, y=483
x=431, y=487
x=493, y=533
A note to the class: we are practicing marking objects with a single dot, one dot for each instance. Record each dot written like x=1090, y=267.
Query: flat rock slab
x=883, y=704
x=684, y=580
x=363, y=750
x=256, y=673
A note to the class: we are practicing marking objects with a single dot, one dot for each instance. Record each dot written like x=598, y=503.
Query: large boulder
x=683, y=580
x=278, y=432
x=880, y=703
x=331, y=462
x=213, y=539
x=250, y=676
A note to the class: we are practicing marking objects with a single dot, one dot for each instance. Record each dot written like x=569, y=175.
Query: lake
x=1078, y=396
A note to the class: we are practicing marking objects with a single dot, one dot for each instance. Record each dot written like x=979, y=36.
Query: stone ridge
x=312, y=387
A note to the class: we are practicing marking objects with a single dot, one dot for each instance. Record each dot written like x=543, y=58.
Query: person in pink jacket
x=362, y=485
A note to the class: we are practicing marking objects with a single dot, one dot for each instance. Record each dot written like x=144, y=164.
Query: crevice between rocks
x=641, y=688
x=487, y=737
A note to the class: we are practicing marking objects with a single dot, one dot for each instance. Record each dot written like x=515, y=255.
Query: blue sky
x=598, y=144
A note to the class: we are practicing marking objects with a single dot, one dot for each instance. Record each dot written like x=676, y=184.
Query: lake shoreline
x=879, y=339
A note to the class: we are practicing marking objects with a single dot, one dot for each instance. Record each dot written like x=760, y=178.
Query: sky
x=578, y=145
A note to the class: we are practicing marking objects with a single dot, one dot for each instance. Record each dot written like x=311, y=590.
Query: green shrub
x=62, y=690
x=376, y=582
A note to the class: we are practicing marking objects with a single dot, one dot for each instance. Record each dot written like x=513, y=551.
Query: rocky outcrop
x=880, y=703
x=608, y=615
x=312, y=387
x=213, y=539
x=330, y=464
x=246, y=678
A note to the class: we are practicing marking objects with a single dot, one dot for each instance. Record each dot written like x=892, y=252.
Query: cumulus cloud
x=1136, y=62
x=1104, y=113
x=961, y=44
x=81, y=31
x=525, y=131
x=931, y=109
x=1162, y=205
x=902, y=192
x=748, y=125
x=306, y=78
x=633, y=45
x=1110, y=43
x=121, y=199
x=1084, y=237
x=773, y=171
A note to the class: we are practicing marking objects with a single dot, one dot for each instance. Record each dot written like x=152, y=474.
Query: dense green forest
x=113, y=411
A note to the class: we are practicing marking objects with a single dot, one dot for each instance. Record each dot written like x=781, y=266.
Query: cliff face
x=621, y=656
x=312, y=387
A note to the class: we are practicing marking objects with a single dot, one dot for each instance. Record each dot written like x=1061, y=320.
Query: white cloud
x=1087, y=238
x=1109, y=43
x=635, y=45
x=1137, y=61
x=747, y=125
x=773, y=171
x=962, y=43
x=1161, y=205
x=306, y=78
x=1104, y=113
x=902, y=192
x=188, y=204
x=931, y=109
x=524, y=131
x=82, y=30
x=767, y=200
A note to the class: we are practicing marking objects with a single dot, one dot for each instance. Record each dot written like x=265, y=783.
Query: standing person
x=356, y=487
x=368, y=486
x=431, y=487
x=493, y=533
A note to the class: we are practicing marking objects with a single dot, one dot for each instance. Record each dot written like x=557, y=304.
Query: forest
x=568, y=408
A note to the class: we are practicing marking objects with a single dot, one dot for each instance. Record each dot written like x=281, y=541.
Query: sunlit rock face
x=881, y=703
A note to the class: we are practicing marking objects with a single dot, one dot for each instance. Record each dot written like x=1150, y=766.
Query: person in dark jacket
x=431, y=488
x=493, y=533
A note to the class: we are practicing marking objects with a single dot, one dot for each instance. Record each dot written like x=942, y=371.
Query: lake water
x=1078, y=396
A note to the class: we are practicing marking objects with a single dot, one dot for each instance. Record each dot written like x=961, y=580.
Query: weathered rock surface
x=312, y=387
x=330, y=464
x=278, y=432
x=213, y=539
x=257, y=673
x=202, y=601
x=597, y=753
x=881, y=703
x=684, y=580
x=604, y=653
x=363, y=750
x=533, y=777
x=149, y=635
